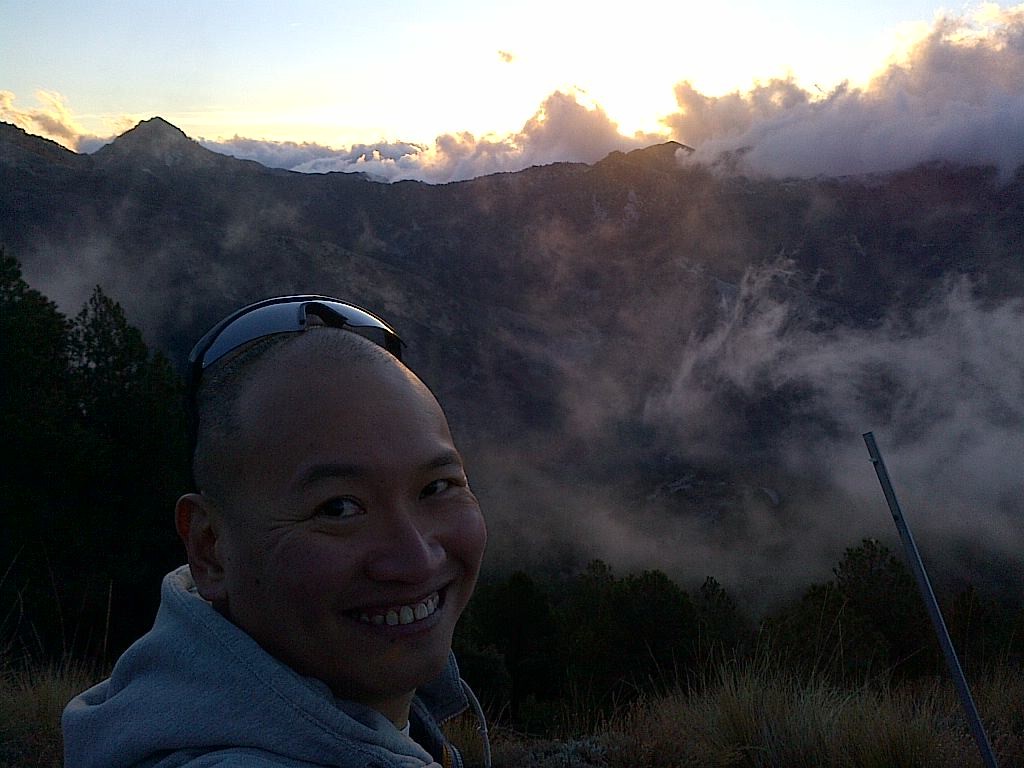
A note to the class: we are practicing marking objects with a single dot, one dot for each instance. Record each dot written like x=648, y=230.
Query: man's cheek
x=312, y=577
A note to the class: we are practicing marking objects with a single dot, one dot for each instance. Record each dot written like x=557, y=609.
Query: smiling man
x=333, y=542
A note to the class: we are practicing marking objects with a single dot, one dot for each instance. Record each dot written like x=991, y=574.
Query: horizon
x=888, y=84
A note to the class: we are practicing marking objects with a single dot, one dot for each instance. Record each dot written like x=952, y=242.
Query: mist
x=738, y=453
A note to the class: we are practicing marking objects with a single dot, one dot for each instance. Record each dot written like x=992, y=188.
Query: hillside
x=647, y=360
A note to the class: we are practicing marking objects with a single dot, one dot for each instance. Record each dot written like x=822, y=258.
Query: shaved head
x=226, y=384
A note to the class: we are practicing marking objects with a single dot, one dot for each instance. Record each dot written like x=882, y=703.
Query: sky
x=450, y=89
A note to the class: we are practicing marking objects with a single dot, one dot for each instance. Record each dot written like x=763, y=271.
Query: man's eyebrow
x=328, y=471
x=446, y=459
x=333, y=470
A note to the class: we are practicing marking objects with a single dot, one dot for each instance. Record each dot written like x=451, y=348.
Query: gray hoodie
x=197, y=691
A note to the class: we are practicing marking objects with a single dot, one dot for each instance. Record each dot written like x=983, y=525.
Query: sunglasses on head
x=282, y=314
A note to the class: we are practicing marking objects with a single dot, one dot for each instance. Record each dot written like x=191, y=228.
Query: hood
x=196, y=684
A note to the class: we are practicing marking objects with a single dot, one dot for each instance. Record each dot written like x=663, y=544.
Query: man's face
x=353, y=542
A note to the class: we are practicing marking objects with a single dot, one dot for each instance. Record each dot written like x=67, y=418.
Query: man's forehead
x=316, y=376
x=360, y=425
x=326, y=353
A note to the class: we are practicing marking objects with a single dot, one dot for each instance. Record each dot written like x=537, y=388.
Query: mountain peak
x=666, y=152
x=156, y=142
x=156, y=127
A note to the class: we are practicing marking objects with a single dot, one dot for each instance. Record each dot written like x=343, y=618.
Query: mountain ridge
x=158, y=140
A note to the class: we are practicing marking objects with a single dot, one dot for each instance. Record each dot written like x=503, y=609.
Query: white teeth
x=403, y=614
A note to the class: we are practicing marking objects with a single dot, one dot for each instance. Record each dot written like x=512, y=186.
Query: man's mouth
x=402, y=614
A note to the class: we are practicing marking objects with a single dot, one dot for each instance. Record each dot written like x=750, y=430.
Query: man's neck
x=395, y=709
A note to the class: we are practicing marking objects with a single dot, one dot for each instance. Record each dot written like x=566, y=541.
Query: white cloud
x=942, y=390
x=51, y=119
x=562, y=130
x=958, y=96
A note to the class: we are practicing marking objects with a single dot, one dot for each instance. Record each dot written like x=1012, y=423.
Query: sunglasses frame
x=270, y=317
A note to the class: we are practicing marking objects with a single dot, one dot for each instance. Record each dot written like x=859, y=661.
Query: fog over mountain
x=659, y=358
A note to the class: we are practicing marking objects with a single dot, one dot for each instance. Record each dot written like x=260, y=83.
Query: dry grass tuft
x=756, y=716
x=32, y=698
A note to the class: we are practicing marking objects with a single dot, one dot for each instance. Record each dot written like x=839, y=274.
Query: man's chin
x=389, y=675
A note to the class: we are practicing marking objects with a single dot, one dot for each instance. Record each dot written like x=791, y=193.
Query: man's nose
x=408, y=550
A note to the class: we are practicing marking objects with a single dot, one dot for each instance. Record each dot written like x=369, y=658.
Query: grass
x=739, y=715
x=755, y=716
x=32, y=697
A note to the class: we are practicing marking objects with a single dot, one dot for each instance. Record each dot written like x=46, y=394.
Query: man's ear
x=199, y=528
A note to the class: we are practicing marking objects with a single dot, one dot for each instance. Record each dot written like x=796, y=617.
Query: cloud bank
x=942, y=387
x=562, y=130
x=957, y=96
x=759, y=419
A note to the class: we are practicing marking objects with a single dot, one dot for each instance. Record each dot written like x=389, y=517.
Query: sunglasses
x=282, y=314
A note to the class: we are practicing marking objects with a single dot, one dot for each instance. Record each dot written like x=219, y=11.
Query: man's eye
x=341, y=507
x=436, y=487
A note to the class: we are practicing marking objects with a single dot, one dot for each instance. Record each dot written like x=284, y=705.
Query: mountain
x=647, y=359
x=156, y=144
x=21, y=149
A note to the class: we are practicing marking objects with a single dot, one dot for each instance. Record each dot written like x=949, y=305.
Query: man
x=333, y=541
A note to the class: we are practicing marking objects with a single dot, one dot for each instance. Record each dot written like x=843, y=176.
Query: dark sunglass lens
x=271, y=319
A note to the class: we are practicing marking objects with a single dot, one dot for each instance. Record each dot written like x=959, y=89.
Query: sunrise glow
x=486, y=78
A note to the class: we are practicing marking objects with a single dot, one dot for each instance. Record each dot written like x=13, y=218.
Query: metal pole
x=924, y=585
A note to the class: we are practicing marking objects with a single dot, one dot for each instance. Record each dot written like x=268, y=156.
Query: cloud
x=942, y=389
x=309, y=157
x=957, y=96
x=52, y=119
x=562, y=130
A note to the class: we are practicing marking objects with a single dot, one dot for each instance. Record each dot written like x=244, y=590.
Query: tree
x=884, y=615
x=93, y=456
x=130, y=403
x=37, y=453
x=515, y=618
x=626, y=635
x=722, y=629
x=35, y=407
x=868, y=619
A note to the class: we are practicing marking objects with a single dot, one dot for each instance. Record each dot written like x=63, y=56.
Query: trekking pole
x=924, y=585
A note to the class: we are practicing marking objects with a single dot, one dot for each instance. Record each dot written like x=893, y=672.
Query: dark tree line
x=596, y=641
x=92, y=458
